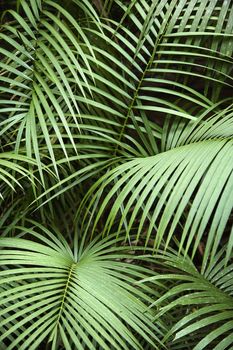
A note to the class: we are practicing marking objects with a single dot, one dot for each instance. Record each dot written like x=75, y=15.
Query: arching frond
x=183, y=191
x=36, y=93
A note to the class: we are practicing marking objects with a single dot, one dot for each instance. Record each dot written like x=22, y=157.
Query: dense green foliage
x=116, y=175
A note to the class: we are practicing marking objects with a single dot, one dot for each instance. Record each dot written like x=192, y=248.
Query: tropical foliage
x=116, y=169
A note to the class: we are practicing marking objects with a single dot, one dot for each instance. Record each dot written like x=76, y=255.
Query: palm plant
x=116, y=172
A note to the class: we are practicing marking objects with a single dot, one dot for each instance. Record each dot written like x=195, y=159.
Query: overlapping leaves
x=200, y=304
x=139, y=99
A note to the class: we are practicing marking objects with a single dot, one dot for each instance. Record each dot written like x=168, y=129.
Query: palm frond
x=13, y=169
x=34, y=74
x=116, y=125
x=51, y=293
x=206, y=298
x=182, y=191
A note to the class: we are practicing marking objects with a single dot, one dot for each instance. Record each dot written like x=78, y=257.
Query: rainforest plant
x=116, y=174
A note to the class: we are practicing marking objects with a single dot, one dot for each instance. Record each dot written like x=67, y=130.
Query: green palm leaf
x=47, y=292
x=34, y=74
x=116, y=122
x=206, y=297
x=180, y=191
x=13, y=171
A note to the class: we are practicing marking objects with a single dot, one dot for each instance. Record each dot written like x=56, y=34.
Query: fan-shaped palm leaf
x=71, y=298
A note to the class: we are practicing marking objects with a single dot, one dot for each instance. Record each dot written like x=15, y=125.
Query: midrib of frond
x=147, y=67
x=135, y=96
x=61, y=308
x=32, y=75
